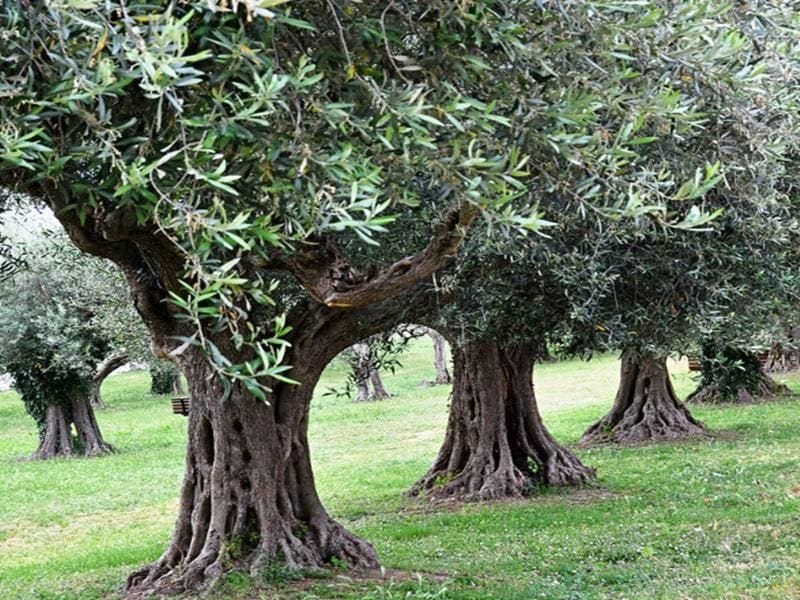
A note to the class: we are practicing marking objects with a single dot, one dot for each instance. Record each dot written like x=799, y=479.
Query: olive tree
x=216, y=152
x=669, y=140
x=53, y=340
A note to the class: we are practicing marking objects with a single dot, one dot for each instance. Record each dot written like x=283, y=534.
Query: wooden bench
x=180, y=405
x=694, y=361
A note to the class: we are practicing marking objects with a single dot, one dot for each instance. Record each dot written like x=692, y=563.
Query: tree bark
x=440, y=358
x=110, y=364
x=365, y=374
x=360, y=364
x=177, y=383
x=783, y=358
x=496, y=444
x=379, y=391
x=249, y=497
x=86, y=427
x=57, y=438
x=645, y=408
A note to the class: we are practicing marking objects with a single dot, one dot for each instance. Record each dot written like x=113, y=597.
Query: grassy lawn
x=707, y=519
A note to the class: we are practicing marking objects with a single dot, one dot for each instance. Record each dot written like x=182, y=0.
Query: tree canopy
x=243, y=133
x=239, y=160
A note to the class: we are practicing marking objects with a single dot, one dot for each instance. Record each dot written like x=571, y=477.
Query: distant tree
x=51, y=345
x=731, y=374
x=365, y=373
x=165, y=378
x=66, y=325
x=443, y=376
x=666, y=293
x=784, y=355
x=377, y=353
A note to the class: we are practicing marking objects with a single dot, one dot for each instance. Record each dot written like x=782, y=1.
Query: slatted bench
x=180, y=405
x=694, y=361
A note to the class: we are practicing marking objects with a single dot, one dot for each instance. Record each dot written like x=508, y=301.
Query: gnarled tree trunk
x=645, y=408
x=440, y=358
x=249, y=497
x=110, y=364
x=86, y=427
x=496, y=444
x=379, y=391
x=56, y=441
x=56, y=438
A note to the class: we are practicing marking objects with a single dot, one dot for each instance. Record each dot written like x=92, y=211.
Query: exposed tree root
x=249, y=501
x=496, y=445
x=645, y=409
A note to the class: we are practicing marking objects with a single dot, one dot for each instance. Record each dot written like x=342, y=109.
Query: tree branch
x=328, y=278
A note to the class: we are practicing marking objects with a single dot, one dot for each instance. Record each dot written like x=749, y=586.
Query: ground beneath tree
x=379, y=583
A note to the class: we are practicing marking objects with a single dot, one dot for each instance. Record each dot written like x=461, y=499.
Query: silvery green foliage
x=663, y=145
x=96, y=286
x=247, y=129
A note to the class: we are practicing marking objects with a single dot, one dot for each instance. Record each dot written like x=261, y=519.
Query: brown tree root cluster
x=496, y=445
x=646, y=408
x=57, y=439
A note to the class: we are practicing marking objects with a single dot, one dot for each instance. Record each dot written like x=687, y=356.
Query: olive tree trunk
x=496, y=445
x=645, y=408
x=734, y=375
x=365, y=374
x=89, y=435
x=440, y=358
x=785, y=357
x=56, y=437
x=249, y=498
x=56, y=440
x=379, y=391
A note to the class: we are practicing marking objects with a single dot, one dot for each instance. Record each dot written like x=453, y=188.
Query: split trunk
x=496, y=444
x=57, y=439
x=106, y=368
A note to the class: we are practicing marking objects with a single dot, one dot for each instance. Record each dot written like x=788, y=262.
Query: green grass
x=706, y=519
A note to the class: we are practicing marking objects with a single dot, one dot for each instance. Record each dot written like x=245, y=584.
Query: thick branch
x=110, y=363
x=328, y=277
